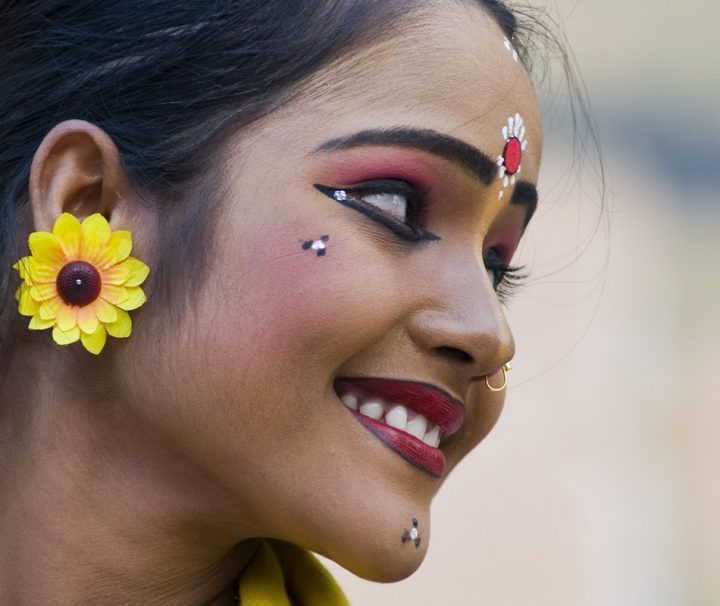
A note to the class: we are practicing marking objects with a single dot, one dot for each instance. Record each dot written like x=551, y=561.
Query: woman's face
x=356, y=258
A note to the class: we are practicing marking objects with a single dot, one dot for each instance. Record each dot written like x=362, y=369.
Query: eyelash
x=506, y=278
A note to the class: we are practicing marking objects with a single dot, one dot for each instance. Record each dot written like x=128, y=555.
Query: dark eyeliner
x=407, y=230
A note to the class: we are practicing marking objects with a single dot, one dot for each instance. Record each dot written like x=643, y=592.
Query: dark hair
x=167, y=84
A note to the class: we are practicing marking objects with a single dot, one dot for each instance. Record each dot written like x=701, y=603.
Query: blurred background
x=599, y=486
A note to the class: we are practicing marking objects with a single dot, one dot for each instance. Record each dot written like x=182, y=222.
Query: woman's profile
x=260, y=253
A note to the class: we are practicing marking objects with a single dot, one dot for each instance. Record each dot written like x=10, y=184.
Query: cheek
x=290, y=308
x=248, y=370
x=485, y=412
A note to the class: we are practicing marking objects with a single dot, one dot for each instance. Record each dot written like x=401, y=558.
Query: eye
x=494, y=266
x=505, y=278
x=391, y=203
x=394, y=204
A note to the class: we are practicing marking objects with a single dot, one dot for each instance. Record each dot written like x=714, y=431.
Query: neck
x=92, y=510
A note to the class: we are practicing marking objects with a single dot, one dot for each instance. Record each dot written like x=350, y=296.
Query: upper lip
x=434, y=403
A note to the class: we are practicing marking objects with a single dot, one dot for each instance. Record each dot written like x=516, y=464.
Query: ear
x=78, y=169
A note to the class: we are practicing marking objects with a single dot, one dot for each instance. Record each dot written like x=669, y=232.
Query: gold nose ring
x=505, y=369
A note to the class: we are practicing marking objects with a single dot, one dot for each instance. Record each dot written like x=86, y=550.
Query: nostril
x=454, y=354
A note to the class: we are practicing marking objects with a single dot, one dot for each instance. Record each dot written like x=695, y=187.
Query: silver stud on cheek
x=412, y=535
x=319, y=245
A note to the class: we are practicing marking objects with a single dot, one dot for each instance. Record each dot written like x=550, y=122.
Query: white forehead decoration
x=511, y=48
x=510, y=161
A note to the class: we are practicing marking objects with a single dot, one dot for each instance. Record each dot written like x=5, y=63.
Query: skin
x=144, y=475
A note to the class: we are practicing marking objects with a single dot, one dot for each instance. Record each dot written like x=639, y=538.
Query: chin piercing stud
x=412, y=535
x=505, y=370
x=319, y=246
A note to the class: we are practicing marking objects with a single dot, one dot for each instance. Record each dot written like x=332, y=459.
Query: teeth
x=350, y=401
x=374, y=410
x=417, y=427
x=397, y=417
x=432, y=437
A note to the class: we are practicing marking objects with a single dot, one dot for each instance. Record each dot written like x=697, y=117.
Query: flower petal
x=115, y=274
x=122, y=327
x=87, y=319
x=41, y=272
x=138, y=271
x=106, y=312
x=23, y=268
x=66, y=317
x=37, y=324
x=95, y=234
x=135, y=298
x=62, y=337
x=27, y=306
x=113, y=294
x=95, y=341
x=117, y=249
x=48, y=309
x=43, y=292
x=46, y=248
x=68, y=232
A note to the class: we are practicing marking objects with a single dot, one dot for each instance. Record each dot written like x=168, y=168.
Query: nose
x=464, y=325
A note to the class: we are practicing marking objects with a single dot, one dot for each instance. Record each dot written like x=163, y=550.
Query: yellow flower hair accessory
x=81, y=281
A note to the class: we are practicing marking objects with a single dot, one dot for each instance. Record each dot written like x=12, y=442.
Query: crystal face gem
x=78, y=283
x=319, y=245
x=412, y=535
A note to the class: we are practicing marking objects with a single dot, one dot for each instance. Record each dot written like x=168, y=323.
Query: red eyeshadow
x=361, y=165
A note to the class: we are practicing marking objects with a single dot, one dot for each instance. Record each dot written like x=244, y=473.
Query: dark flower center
x=79, y=283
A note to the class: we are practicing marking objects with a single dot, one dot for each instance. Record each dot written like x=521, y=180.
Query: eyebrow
x=525, y=194
x=476, y=162
x=480, y=165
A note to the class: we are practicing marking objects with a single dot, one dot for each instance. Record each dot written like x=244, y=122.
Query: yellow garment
x=281, y=574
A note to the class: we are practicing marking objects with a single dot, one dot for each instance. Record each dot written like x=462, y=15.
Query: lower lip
x=414, y=451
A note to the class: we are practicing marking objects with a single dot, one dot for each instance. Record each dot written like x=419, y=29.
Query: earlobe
x=77, y=169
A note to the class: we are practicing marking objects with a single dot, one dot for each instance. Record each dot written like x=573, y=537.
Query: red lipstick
x=434, y=404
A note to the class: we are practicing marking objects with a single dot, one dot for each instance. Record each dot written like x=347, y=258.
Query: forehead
x=447, y=67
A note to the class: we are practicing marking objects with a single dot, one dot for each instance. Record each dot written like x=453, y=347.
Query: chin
x=383, y=566
x=384, y=553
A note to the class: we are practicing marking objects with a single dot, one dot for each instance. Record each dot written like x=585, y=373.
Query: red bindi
x=78, y=283
x=512, y=155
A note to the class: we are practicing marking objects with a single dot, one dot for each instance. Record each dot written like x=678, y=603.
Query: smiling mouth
x=409, y=417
